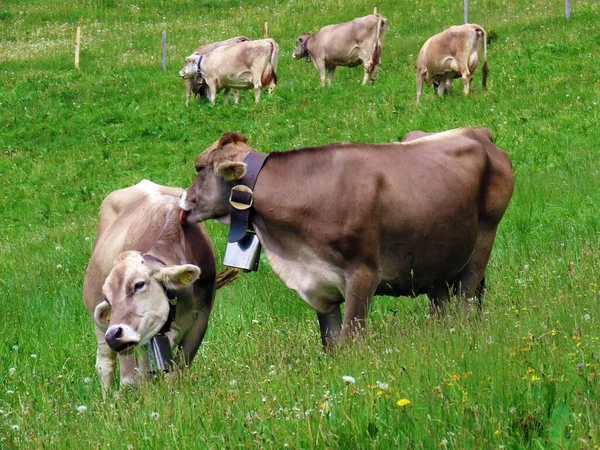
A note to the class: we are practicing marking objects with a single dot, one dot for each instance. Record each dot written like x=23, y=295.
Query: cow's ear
x=231, y=137
x=102, y=315
x=231, y=170
x=176, y=277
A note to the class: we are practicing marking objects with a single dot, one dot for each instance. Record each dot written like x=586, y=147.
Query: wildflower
x=81, y=409
x=154, y=415
x=34, y=356
x=455, y=377
x=11, y=371
x=59, y=266
x=530, y=370
x=348, y=379
x=467, y=374
x=580, y=366
x=10, y=392
x=534, y=378
x=15, y=427
x=382, y=385
x=87, y=380
x=403, y=402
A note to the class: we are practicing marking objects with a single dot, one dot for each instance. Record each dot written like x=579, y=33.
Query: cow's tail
x=226, y=276
x=270, y=75
x=484, y=71
x=376, y=55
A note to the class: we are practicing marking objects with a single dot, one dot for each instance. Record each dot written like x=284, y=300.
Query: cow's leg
x=470, y=278
x=330, y=74
x=105, y=362
x=320, y=66
x=367, y=67
x=360, y=288
x=441, y=87
x=226, y=95
x=466, y=78
x=188, y=91
x=448, y=84
x=420, y=77
x=212, y=92
x=439, y=298
x=257, y=89
x=129, y=370
x=331, y=327
x=236, y=96
x=374, y=72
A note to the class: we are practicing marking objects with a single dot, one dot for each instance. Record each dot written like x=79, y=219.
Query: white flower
x=348, y=379
x=59, y=266
x=15, y=427
x=11, y=371
x=81, y=409
x=382, y=386
x=10, y=392
x=87, y=380
x=34, y=356
x=154, y=415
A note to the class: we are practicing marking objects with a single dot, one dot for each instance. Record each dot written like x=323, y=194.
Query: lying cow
x=453, y=53
x=142, y=260
x=347, y=221
x=199, y=88
x=246, y=65
x=347, y=44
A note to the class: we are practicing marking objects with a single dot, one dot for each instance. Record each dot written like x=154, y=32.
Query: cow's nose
x=113, y=337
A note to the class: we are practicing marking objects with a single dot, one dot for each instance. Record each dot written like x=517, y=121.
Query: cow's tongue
x=182, y=216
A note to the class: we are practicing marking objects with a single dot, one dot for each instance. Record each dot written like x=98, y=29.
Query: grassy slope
x=68, y=138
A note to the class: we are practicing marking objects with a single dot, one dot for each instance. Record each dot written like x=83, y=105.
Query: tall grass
x=525, y=375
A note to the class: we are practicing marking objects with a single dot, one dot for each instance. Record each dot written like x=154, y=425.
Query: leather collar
x=241, y=197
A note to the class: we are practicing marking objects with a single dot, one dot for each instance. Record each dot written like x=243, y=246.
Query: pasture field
x=525, y=375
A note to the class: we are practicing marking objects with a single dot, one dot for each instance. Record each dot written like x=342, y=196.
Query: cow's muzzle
x=121, y=339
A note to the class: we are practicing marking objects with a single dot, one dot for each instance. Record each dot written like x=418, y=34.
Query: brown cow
x=141, y=260
x=350, y=44
x=453, y=53
x=199, y=88
x=246, y=65
x=346, y=221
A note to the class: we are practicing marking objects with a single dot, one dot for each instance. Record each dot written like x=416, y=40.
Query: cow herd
x=239, y=63
x=339, y=223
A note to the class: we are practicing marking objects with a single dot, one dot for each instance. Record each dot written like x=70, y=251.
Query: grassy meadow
x=526, y=375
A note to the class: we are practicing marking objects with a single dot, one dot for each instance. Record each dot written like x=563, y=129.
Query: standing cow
x=142, y=262
x=347, y=44
x=246, y=65
x=347, y=221
x=199, y=88
x=453, y=53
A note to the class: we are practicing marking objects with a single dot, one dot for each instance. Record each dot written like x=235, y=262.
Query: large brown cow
x=346, y=221
x=199, y=88
x=453, y=53
x=141, y=260
x=246, y=65
x=350, y=44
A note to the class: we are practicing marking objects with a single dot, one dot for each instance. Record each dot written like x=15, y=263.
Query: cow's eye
x=139, y=285
x=199, y=168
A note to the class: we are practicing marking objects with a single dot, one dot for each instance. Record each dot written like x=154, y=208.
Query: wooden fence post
x=466, y=10
x=164, y=49
x=77, y=47
x=568, y=8
x=266, y=30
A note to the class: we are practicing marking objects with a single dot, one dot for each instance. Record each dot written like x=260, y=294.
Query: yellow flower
x=455, y=377
x=534, y=378
x=403, y=402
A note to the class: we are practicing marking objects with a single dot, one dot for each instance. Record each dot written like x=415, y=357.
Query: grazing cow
x=246, y=65
x=142, y=261
x=346, y=221
x=350, y=44
x=199, y=88
x=453, y=53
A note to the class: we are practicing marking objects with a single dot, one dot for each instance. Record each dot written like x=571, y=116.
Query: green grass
x=523, y=376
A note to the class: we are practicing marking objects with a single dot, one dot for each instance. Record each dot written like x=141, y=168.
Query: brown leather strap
x=240, y=218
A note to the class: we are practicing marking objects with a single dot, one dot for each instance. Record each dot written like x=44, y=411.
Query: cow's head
x=217, y=169
x=191, y=67
x=301, y=49
x=136, y=305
